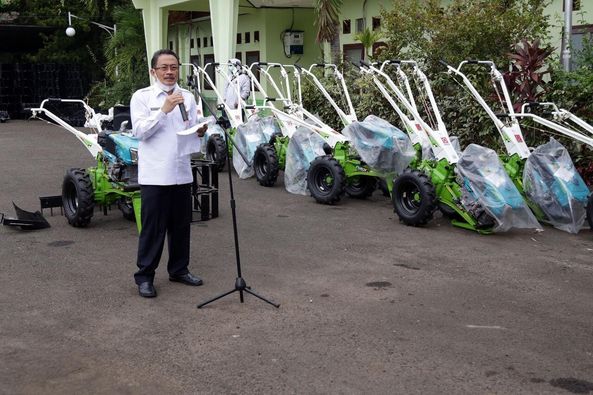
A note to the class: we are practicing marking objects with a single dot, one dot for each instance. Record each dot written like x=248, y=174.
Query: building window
x=199, y=42
x=576, y=5
x=250, y=58
x=353, y=52
x=580, y=35
x=247, y=37
x=376, y=23
x=211, y=42
x=378, y=47
x=238, y=38
x=256, y=36
x=359, y=25
x=171, y=45
x=195, y=59
x=205, y=39
x=191, y=43
x=239, y=56
x=346, y=26
x=210, y=71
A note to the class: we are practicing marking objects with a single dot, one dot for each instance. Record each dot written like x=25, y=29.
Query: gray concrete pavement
x=368, y=305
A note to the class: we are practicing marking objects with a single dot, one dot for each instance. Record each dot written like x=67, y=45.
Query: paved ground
x=367, y=305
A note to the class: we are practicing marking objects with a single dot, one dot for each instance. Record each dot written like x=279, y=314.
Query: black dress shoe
x=146, y=290
x=188, y=279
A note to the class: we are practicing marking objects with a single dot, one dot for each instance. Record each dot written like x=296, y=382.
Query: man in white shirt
x=238, y=86
x=164, y=172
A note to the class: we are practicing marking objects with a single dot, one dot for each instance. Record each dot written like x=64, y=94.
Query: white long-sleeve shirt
x=160, y=151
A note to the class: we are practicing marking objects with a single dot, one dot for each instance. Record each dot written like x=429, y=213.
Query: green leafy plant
x=125, y=69
x=328, y=23
x=526, y=79
x=367, y=38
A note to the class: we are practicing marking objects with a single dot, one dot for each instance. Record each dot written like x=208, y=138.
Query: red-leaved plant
x=525, y=80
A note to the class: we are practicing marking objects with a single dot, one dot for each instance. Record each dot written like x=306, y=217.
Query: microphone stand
x=240, y=284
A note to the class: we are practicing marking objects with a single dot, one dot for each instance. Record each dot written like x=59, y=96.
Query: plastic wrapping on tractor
x=551, y=181
x=487, y=187
x=248, y=137
x=213, y=128
x=456, y=145
x=304, y=146
x=382, y=146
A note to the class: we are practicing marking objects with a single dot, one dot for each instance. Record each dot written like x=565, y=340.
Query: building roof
x=281, y=3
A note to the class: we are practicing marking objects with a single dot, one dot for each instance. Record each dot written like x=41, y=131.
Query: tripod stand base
x=240, y=286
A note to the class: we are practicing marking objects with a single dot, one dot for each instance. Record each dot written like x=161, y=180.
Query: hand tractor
x=114, y=180
x=281, y=152
x=318, y=155
x=546, y=176
x=472, y=190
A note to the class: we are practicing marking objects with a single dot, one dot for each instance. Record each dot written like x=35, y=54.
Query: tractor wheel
x=78, y=197
x=216, y=151
x=265, y=164
x=414, y=197
x=590, y=212
x=382, y=186
x=326, y=180
x=127, y=209
x=448, y=212
x=361, y=187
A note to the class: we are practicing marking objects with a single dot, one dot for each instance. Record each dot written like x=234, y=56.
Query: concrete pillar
x=223, y=17
x=155, y=26
x=567, y=34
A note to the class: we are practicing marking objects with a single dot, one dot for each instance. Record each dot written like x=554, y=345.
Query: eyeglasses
x=165, y=67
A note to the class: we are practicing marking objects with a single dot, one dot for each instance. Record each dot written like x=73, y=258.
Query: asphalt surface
x=368, y=305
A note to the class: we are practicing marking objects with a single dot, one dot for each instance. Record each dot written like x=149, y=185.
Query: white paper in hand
x=188, y=141
x=193, y=129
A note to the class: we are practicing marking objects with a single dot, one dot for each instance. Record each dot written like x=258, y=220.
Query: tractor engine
x=120, y=151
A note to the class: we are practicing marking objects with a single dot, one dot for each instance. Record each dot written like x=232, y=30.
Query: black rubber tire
x=590, y=211
x=127, y=209
x=78, y=197
x=216, y=151
x=361, y=187
x=265, y=164
x=414, y=197
x=448, y=212
x=326, y=180
x=382, y=186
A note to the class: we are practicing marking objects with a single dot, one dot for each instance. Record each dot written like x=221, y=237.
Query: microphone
x=183, y=112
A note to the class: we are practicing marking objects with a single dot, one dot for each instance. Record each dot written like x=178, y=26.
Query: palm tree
x=367, y=38
x=328, y=25
x=125, y=53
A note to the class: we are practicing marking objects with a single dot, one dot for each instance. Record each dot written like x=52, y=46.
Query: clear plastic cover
x=487, y=189
x=552, y=182
x=304, y=146
x=269, y=127
x=213, y=127
x=455, y=143
x=382, y=146
x=248, y=137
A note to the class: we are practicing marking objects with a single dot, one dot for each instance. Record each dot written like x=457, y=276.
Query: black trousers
x=166, y=210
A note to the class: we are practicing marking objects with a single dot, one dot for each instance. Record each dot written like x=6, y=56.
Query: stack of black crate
x=204, y=190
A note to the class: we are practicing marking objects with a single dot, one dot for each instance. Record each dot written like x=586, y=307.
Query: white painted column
x=155, y=26
x=223, y=17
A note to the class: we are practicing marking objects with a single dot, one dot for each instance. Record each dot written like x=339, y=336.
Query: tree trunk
x=335, y=47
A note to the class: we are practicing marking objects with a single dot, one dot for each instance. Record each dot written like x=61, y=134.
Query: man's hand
x=202, y=131
x=171, y=102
